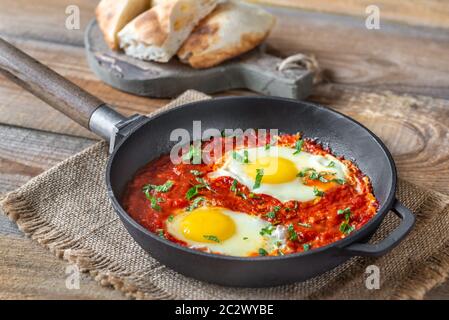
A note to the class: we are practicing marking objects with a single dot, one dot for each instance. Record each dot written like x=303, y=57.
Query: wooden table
x=402, y=58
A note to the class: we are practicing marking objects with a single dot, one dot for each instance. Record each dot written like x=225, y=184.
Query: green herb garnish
x=298, y=146
x=268, y=230
x=153, y=200
x=245, y=156
x=306, y=247
x=196, y=173
x=304, y=225
x=345, y=227
x=253, y=196
x=339, y=181
x=259, y=176
x=242, y=195
x=317, y=192
x=161, y=234
x=192, y=192
x=346, y=212
x=170, y=218
x=204, y=184
x=158, y=188
x=195, y=204
x=314, y=175
x=233, y=187
x=237, y=156
x=292, y=232
x=263, y=252
x=323, y=179
x=194, y=154
x=245, y=238
x=331, y=164
x=272, y=213
x=303, y=172
x=212, y=238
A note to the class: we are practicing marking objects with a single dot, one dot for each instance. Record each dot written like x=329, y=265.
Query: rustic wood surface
x=404, y=59
x=432, y=13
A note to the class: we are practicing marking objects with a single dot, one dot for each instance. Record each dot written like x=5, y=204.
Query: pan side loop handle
x=391, y=241
x=55, y=90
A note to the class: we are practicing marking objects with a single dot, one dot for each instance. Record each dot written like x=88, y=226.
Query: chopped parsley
x=298, y=146
x=267, y=146
x=170, y=218
x=317, y=192
x=153, y=200
x=242, y=195
x=306, y=247
x=339, y=181
x=243, y=159
x=262, y=252
x=245, y=156
x=192, y=192
x=204, y=184
x=194, y=154
x=233, y=187
x=245, y=238
x=331, y=164
x=304, y=172
x=304, y=225
x=195, y=203
x=268, y=230
x=293, y=236
x=237, y=156
x=158, y=188
x=346, y=212
x=211, y=238
x=312, y=174
x=259, y=176
x=253, y=196
x=345, y=226
x=161, y=234
x=272, y=213
x=196, y=173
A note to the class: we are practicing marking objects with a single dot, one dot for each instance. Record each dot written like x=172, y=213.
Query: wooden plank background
x=432, y=13
x=357, y=62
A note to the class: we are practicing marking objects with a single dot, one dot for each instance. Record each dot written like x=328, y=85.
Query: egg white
x=292, y=190
x=245, y=241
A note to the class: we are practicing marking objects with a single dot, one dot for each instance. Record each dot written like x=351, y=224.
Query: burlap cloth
x=66, y=209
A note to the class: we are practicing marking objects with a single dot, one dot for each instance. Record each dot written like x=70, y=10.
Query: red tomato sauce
x=316, y=223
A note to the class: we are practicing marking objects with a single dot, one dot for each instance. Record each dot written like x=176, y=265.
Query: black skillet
x=139, y=139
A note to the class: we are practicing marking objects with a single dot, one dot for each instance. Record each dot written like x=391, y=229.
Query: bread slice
x=113, y=15
x=158, y=33
x=233, y=28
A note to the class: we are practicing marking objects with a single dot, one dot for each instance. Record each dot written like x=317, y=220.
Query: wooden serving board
x=256, y=71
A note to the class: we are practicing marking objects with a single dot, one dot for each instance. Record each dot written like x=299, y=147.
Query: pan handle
x=379, y=249
x=57, y=91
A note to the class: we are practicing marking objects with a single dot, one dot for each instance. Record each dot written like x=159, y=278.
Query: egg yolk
x=208, y=225
x=275, y=170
